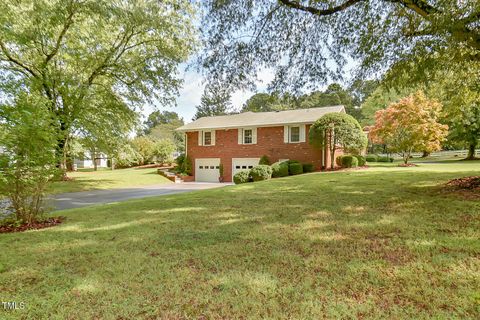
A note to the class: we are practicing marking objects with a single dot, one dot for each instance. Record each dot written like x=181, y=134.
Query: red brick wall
x=269, y=142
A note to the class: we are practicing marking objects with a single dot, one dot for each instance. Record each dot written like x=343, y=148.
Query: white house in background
x=87, y=161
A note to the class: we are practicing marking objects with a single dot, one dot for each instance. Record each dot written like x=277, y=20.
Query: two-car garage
x=208, y=169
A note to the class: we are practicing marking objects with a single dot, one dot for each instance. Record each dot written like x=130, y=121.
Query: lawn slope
x=84, y=180
x=378, y=243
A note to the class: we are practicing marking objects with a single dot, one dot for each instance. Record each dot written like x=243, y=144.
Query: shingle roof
x=256, y=119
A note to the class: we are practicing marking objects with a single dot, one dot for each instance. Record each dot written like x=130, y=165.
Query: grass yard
x=379, y=243
x=84, y=180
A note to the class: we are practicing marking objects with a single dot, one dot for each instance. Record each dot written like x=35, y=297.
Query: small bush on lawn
x=308, y=167
x=371, y=158
x=385, y=159
x=264, y=160
x=279, y=169
x=349, y=162
x=338, y=161
x=241, y=177
x=295, y=168
x=261, y=172
x=361, y=160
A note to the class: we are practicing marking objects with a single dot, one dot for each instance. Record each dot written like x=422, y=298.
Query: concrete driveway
x=88, y=198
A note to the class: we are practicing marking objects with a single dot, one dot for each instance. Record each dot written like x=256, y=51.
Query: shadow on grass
x=374, y=240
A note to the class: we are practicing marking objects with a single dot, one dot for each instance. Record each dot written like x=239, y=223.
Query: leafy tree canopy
x=94, y=59
x=307, y=42
x=338, y=129
x=410, y=125
x=215, y=101
x=161, y=125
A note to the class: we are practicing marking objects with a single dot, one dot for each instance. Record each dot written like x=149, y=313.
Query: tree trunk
x=332, y=151
x=94, y=158
x=61, y=157
x=425, y=154
x=112, y=163
x=471, y=151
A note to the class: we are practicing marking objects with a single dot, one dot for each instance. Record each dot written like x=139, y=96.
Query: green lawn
x=83, y=180
x=379, y=243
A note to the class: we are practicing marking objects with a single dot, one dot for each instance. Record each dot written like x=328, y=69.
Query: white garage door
x=207, y=170
x=240, y=164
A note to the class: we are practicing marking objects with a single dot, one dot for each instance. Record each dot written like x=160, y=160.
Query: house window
x=247, y=136
x=294, y=134
x=207, y=138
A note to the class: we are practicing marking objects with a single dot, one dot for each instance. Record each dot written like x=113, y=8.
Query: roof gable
x=258, y=119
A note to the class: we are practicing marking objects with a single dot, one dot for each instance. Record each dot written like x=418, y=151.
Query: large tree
x=93, y=59
x=215, y=101
x=161, y=125
x=307, y=42
x=337, y=130
x=459, y=90
x=410, y=125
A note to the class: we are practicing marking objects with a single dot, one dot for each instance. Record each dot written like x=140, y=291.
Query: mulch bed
x=406, y=165
x=468, y=187
x=46, y=223
x=468, y=183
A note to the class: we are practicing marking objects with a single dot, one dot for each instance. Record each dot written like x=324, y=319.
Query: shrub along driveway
x=93, y=197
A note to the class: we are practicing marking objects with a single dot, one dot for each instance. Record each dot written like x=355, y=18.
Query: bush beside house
x=241, y=177
x=276, y=170
x=261, y=172
x=349, y=161
x=295, y=168
x=280, y=169
x=361, y=160
x=308, y=167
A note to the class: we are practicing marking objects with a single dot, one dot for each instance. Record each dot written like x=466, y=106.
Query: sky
x=192, y=90
x=193, y=85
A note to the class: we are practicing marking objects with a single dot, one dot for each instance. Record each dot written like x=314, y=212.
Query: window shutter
x=200, y=138
x=254, y=135
x=240, y=136
x=213, y=137
x=285, y=134
x=302, y=133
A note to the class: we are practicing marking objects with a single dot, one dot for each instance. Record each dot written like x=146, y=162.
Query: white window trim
x=201, y=138
x=287, y=134
x=241, y=135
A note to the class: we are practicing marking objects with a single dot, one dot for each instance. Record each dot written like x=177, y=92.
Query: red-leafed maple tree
x=410, y=125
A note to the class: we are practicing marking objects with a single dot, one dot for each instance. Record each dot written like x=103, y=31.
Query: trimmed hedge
x=295, y=168
x=241, y=177
x=361, y=160
x=338, y=161
x=261, y=172
x=349, y=162
x=264, y=160
x=371, y=158
x=385, y=159
x=308, y=167
x=279, y=169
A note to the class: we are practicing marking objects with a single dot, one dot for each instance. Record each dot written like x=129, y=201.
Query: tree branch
x=319, y=12
x=421, y=7
x=66, y=26
x=14, y=60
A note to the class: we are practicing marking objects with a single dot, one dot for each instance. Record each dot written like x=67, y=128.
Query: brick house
x=238, y=141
